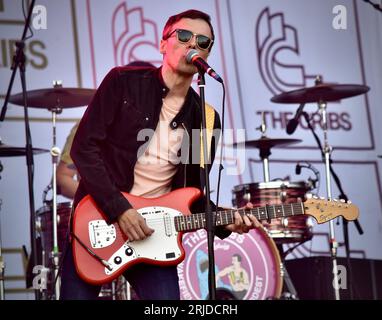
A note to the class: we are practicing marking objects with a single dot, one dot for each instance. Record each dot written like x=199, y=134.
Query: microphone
x=194, y=58
x=293, y=123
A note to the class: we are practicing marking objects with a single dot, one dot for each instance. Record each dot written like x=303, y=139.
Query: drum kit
x=52, y=219
x=295, y=230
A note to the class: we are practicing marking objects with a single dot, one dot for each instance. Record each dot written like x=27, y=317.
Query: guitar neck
x=198, y=220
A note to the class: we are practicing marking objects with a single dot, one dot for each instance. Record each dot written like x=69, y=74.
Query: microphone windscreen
x=190, y=54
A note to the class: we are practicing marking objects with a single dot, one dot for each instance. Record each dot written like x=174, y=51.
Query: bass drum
x=247, y=267
x=282, y=230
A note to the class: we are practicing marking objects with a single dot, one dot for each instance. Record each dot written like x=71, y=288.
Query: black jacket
x=105, y=146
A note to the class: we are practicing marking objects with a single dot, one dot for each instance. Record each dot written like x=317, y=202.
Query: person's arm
x=66, y=181
x=87, y=156
x=86, y=149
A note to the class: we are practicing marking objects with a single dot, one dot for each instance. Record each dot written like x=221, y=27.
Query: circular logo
x=246, y=266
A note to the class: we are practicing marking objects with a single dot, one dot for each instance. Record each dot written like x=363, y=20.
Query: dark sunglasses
x=184, y=36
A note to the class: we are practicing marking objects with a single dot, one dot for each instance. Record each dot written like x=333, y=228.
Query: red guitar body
x=163, y=247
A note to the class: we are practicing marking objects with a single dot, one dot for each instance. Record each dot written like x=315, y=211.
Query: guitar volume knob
x=129, y=252
x=117, y=260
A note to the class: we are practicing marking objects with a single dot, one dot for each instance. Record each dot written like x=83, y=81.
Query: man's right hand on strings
x=134, y=226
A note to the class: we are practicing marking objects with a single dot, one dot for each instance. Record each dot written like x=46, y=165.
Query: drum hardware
x=44, y=226
x=56, y=97
x=321, y=93
x=315, y=183
x=291, y=294
x=324, y=92
x=283, y=231
x=10, y=151
x=55, y=100
x=2, y=264
x=264, y=144
x=286, y=230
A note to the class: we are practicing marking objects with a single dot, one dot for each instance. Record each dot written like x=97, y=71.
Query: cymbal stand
x=265, y=152
x=55, y=153
x=326, y=151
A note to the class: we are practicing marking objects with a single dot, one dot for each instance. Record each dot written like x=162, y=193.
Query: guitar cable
x=103, y=261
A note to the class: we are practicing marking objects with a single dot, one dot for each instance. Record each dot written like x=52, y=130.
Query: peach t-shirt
x=156, y=167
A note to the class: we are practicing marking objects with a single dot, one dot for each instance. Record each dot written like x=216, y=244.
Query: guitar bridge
x=101, y=234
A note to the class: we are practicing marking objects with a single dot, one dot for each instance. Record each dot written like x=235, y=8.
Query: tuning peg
x=342, y=200
x=309, y=196
x=349, y=202
x=335, y=200
x=315, y=197
x=322, y=198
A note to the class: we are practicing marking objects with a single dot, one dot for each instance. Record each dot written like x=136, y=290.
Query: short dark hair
x=238, y=256
x=191, y=14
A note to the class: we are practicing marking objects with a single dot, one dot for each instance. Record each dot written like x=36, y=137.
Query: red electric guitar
x=102, y=252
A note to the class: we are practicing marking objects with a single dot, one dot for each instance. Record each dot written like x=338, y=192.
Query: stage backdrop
x=262, y=48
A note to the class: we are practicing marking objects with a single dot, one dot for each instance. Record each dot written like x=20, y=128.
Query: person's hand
x=134, y=226
x=244, y=223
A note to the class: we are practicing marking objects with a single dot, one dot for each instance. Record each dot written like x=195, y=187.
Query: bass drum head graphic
x=247, y=267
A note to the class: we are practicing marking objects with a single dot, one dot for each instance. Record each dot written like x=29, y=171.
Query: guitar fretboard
x=198, y=220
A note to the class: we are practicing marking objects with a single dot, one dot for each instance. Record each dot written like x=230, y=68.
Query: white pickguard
x=162, y=245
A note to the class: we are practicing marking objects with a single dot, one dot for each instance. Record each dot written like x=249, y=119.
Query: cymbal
x=10, y=151
x=321, y=92
x=266, y=143
x=55, y=97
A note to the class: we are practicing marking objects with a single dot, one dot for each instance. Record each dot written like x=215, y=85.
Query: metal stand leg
x=333, y=241
x=55, y=153
x=2, y=268
x=2, y=263
x=113, y=290
x=291, y=293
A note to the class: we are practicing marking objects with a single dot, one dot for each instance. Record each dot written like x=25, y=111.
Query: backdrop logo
x=134, y=36
x=245, y=265
x=273, y=39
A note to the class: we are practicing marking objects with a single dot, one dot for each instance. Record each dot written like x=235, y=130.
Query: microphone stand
x=210, y=218
x=19, y=63
x=344, y=197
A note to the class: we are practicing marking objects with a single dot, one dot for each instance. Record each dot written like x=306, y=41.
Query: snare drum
x=282, y=230
x=44, y=226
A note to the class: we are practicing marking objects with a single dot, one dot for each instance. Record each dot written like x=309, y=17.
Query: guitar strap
x=210, y=120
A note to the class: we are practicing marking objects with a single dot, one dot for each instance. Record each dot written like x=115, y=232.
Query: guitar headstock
x=324, y=210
